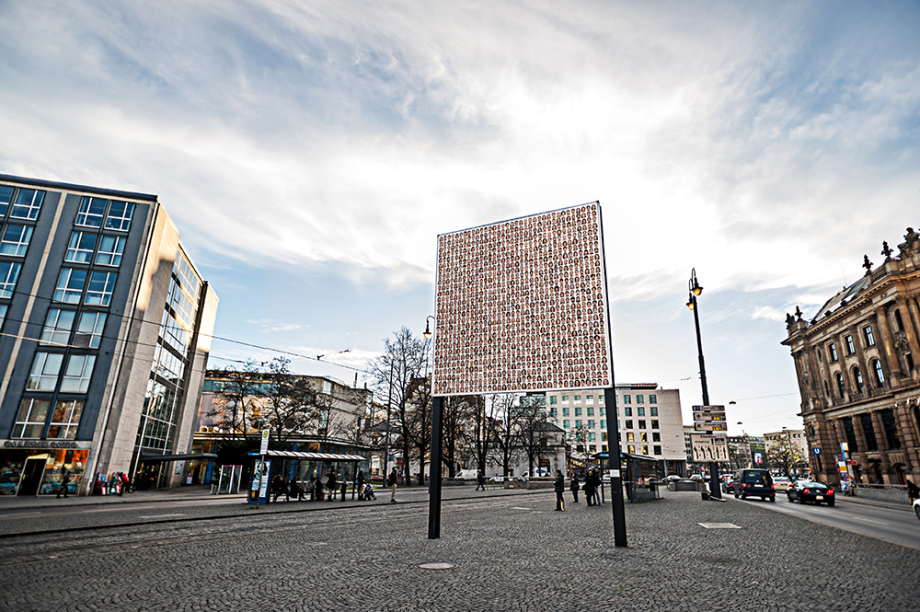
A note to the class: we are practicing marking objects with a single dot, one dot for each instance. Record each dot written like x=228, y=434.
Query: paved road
x=504, y=553
x=890, y=523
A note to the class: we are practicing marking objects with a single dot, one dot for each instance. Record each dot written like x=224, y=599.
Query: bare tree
x=504, y=427
x=418, y=419
x=477, y=433
x=455, y=419
x=532, y=427
x=238, y=410
x=293, y=406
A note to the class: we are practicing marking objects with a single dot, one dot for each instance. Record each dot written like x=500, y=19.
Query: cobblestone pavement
x=508, y=553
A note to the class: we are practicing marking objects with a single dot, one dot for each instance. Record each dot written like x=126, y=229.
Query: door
x=32, y=476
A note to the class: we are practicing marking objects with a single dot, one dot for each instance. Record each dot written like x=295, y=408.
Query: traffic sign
x=709, y=414
x=710, y=427
x=265, y=435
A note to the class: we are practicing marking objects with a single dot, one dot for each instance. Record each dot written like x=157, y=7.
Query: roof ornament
x=867, y=264
x=798, y=313
x=911, y=237
x=886, y=250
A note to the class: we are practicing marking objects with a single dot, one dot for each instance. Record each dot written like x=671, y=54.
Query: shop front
x=32, y=467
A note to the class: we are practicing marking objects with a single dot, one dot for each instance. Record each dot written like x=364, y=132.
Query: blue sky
x=311, y=152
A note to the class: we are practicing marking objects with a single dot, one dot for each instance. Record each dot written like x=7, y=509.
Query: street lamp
x=427, y=332
x=695, y=289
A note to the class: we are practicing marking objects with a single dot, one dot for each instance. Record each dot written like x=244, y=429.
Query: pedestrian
x=480, y=480
x=574, y=486
x=559, y=487
x=391, y=482
x=65, y=480
x=913, y=492
x=597, y=487
x=319, y=489
x=589, y=489
x=311, y=488
x=277, y=486
x=344, y=488
x=331, y=485
x=361, y=480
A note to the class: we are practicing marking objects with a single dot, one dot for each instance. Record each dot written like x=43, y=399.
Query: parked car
x=696, y=477
x=807, y=491
x=754, y=482
x=781, y=483
x=672, y=477
x=497, y=478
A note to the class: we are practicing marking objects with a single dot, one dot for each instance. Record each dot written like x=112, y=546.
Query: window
x=631, y=449
x=840, y=386
x=639, y=399
x=867, y=333
x=65, y=420
x=655, y=424
x=890, y=427
x=9, y=273
x=31, y=418
x=552, y=412
x=642, y=424
x=44, y=372
x=879, y=374
x=626, y=399
x=592, y=437
x=6, y=196
x=3, y=309
x=90, y=213
x=630, y=437
x=858, y=379
x=603, y=436
x=577, y=399
x=851, y=348
x=28, y=203
x=643, y=450
x=656, y=437
x=865, y=420
x=627, y=411
x=603, y=411
x=110, y=251
x=657, y=450
x=565, y=412
x=629, y=424
x=590, y=423
x=577, y=411
x=119, y=216
x=78, y=372
x=643, y=437
x=577, y=423
x=565, y=424
x=16, y=240
x=89, y=330
x=600, y=399
x=70, y=286
x=58, y=324
x=552, y=399
x=565, y=399
x=832, y=349
x=100, y=288
x=589, y=399
x=640, y=411
x=653, y=399
x=653, y=411
x=80, y=248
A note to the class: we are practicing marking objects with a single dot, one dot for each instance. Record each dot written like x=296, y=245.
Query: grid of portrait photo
x=521, y=306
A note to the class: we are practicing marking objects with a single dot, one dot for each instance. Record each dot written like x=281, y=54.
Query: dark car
x=754, y=482
x=807, y=491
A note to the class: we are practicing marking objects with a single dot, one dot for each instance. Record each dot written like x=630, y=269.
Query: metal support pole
x=434, y=481
x=714, y=490
x=613, y=464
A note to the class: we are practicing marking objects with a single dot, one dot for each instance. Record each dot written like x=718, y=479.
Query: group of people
x=314, y=489
x=591, y=486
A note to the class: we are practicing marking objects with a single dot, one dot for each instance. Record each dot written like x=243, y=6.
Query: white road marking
x=149, y=516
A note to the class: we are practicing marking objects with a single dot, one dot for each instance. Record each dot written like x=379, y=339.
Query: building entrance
x=32, y=475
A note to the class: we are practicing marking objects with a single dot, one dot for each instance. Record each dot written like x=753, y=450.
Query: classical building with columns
x=857, y=366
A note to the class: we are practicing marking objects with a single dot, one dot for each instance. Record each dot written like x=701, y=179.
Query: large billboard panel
x=522, y=306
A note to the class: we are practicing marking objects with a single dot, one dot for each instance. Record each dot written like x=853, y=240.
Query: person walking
x=596, y=477
x=589, y=488
x=480, y=480
x=574, y=486
x=65, y=480
x=559, y=487
x=391, y=482
x=311, y=488
x=331, y=485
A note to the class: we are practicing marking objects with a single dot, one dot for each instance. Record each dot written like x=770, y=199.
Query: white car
x=497, y=478
x=781, y=483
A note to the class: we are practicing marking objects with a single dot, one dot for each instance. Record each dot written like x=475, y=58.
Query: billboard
x=522, y=306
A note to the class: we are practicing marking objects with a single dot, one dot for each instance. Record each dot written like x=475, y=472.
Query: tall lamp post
x=695, y=291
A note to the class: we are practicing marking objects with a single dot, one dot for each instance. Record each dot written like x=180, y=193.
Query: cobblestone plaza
x=504, y=552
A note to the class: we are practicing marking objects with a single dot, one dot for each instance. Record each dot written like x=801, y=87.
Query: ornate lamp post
x=695, y=290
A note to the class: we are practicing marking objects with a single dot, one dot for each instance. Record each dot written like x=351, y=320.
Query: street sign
x=709, y=414
x=265, y=435
x=816, y=450
x=710, y=427
x=708, y=447
x=852, y=462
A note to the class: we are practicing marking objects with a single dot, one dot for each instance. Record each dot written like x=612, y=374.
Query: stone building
x=856, y=362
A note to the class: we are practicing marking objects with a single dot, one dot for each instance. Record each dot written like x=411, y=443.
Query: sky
x=311, y=152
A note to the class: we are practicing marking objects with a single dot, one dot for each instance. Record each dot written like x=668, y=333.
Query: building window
x=657, y=450
x=858, y=380
x=589, y=399
x=642, y=424
x=627, y=411
x=552, y=399
x=643, y=437
x=565, y=424
x=91, y=211
x=653, y=411
x=603, y=436
x=79, y=371
x=640, y=411
x=45, y=369
x=891, y=429
x=656, y=437
x=879, y=374
x=832, y=349
x=643, y=450
x=119, y=218
x=16, y=240
x=577, y=423
x=89, y=330
x=590, y=423
x=592, y=437
x=100, y=289
x=590, y=411
x=653, y=399
x=850, y=434
x=869, y=432
x=65, y=420
x=867, y=334
x=626, y=399
x=565, y=412
x=630, y=436
x=851, y=348
x=600, y=399
x=577, y=399
x=631, y=449
x=58, y=324
x=629, y=424
x=639, y=399
x=840, y=386
x=565, y=399
x=6, y=196
x=603, y=412
x=9, y=274
x=655, y=424
x=577, y=411
x=31, y=418
x=552, y=412
x=3, y=309
x=28, y=203
x=70, y=286
x=80, y=248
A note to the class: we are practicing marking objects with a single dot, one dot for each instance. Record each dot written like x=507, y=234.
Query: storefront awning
x=156, y=458
x=313, y=456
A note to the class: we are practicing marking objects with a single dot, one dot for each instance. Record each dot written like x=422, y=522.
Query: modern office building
x=858, y=366
x=649, y=419
x=104, y=336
